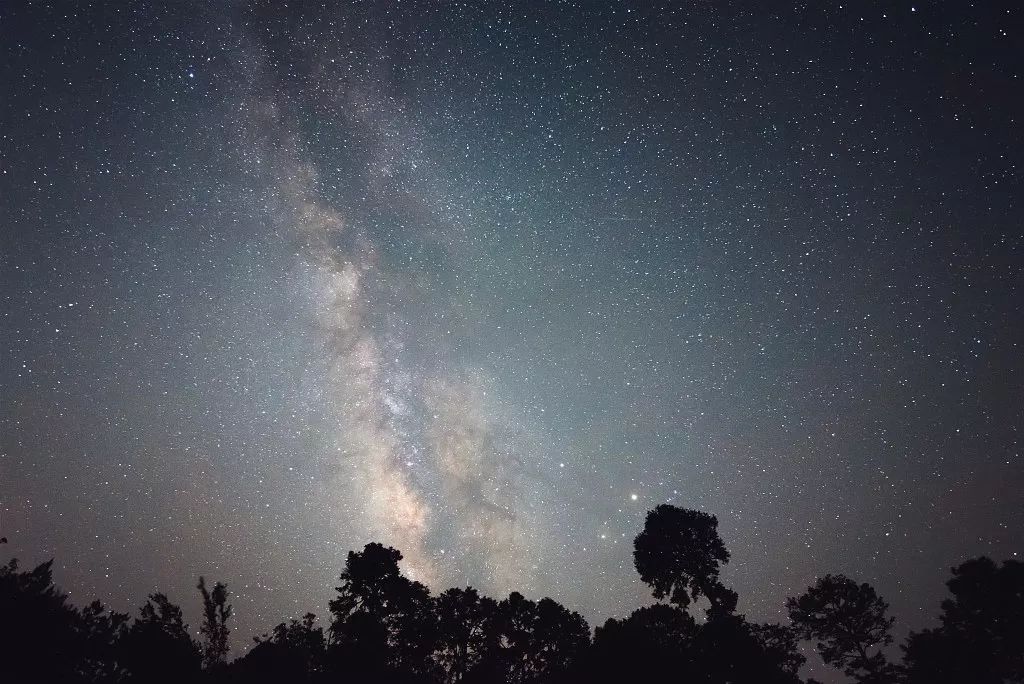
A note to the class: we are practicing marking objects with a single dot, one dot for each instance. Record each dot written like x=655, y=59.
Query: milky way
x=486, y=284
x=413, y=448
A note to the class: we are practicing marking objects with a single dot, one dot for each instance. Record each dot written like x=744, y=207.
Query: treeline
x=384, y=627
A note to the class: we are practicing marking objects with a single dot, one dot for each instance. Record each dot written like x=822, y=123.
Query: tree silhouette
x=381, y=618
x=372, y=583
x=101, y=633
x=39, y=634
x=981, y=638
x=385, y=627
x=657, y=638
x=730, y=649
x=216, y=612
x=779, y=644
x=679, y=553
x=466, y=632
x=541, y=641
x=294, y=652
x=359, y=649
x=157, y=646
x=518, y=619
x=560, y=637
x=847, y=620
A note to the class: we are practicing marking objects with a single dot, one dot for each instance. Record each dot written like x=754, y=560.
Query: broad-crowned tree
x=849, y=625
x=679, y=554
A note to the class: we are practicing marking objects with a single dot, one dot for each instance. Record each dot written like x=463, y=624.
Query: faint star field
x=487, y=283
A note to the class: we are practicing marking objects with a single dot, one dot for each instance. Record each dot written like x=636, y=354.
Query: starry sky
x=486, y=282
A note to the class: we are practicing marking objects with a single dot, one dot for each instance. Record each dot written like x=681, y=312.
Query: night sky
x=487, y=283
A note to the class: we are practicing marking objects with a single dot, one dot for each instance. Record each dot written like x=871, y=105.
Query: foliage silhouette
x=466, y=632
x=294, y=652
x=846, y=620
x=382, y=622
x=541, y=641
x=157, y=647
x=780, y=645
x=730, y=649
x=44, y=638
x=678, y=554
x=981, y=638
x=658, y=639
x=216, y=613
x=101, y=632
x=385, y=627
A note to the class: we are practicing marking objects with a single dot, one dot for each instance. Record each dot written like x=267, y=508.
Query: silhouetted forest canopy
x=384, y=627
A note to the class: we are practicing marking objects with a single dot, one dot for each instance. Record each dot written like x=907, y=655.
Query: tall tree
x=216, y=612
x=981, y=637
x=466, y=632
x=380, y=614
x=848, y=621
x=372, y=583
x=679, y=554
